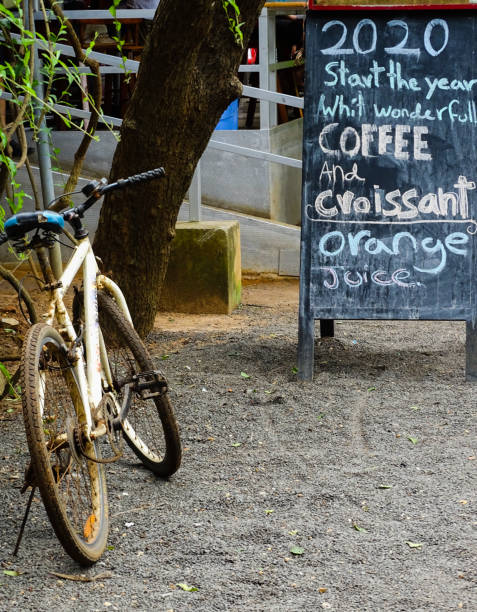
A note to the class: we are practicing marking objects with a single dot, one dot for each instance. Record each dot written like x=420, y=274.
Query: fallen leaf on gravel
x=244, y=375
x=414, y=544
x=294, y=370
x=463, y=501
x=358, y=528
x=371, y=388
x=294, y=532
x=322, y=590
x=269, y=511
x=413, y=440
x=89, y=525
x=83, y=577
x=236, y=444
x=384, y=486
x=297, y=550
x=12, y=573
x=186, y=587
x=9, y=321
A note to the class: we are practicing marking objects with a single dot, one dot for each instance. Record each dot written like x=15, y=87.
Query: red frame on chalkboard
x=314, y=6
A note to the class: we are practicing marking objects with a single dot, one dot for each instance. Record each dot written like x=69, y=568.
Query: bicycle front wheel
x=72, y=487
x=150, y=428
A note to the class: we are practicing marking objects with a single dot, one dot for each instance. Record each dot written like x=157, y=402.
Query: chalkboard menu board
x=389, y=217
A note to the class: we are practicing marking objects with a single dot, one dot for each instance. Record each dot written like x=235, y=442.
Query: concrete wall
x=285, y=182
x=229, y=181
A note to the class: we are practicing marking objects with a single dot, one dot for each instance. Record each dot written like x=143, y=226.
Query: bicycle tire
x=73, y=489
x=12, y=292
x=151, y=429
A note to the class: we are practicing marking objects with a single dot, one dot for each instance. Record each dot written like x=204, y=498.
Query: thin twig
x=95, y=87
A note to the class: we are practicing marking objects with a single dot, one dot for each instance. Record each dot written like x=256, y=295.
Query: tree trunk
x=187, y=77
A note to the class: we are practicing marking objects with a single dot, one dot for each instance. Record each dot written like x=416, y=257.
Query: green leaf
x=236, y=444
x=269, y=511
x=11, y=573
x=294, y=370
x=413, y=440
x=5, y=372
x=297, y=550
x=384, y=486
x=414, y=544
x=164, y=357
x=371, y=388
x=293, y=532
x=358, y=528
x=110, y=547
x=320, y=416
x=244, y=375
x=186, y=587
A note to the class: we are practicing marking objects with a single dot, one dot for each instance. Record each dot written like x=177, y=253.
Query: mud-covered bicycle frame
x=89, y=375
x=92, y=374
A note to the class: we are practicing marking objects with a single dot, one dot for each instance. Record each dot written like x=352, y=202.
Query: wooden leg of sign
x=306, y=339
x=471, y=351
x=327, y=328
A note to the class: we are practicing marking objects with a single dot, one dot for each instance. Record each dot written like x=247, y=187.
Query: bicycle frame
x=89, y=375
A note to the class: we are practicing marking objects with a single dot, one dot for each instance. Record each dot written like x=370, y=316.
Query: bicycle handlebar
x=96, y=190
x=133, y=180
x=19, y=225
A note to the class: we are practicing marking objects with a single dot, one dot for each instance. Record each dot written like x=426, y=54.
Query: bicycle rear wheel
x=72, y=487
x=14, y=297
x=150, y=428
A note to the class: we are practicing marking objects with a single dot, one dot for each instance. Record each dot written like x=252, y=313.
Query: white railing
x=266, y=93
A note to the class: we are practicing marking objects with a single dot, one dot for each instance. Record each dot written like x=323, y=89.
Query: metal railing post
x=195, y=196
x=44, y=154
x=268, y=79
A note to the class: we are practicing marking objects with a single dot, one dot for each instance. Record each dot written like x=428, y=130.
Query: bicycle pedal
x=149, y=384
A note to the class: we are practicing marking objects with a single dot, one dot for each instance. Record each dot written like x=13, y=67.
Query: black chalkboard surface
x=389, y=213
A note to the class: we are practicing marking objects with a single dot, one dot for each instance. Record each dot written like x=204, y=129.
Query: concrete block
x=204, y=272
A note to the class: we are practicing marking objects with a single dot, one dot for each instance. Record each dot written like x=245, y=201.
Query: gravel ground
x=354, y=492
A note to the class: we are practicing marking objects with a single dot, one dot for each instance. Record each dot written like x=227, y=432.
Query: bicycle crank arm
x=99, y=432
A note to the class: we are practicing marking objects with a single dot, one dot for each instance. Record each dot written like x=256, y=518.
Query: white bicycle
x=85, y=382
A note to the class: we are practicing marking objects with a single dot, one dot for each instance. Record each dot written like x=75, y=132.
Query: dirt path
x=354, y=492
